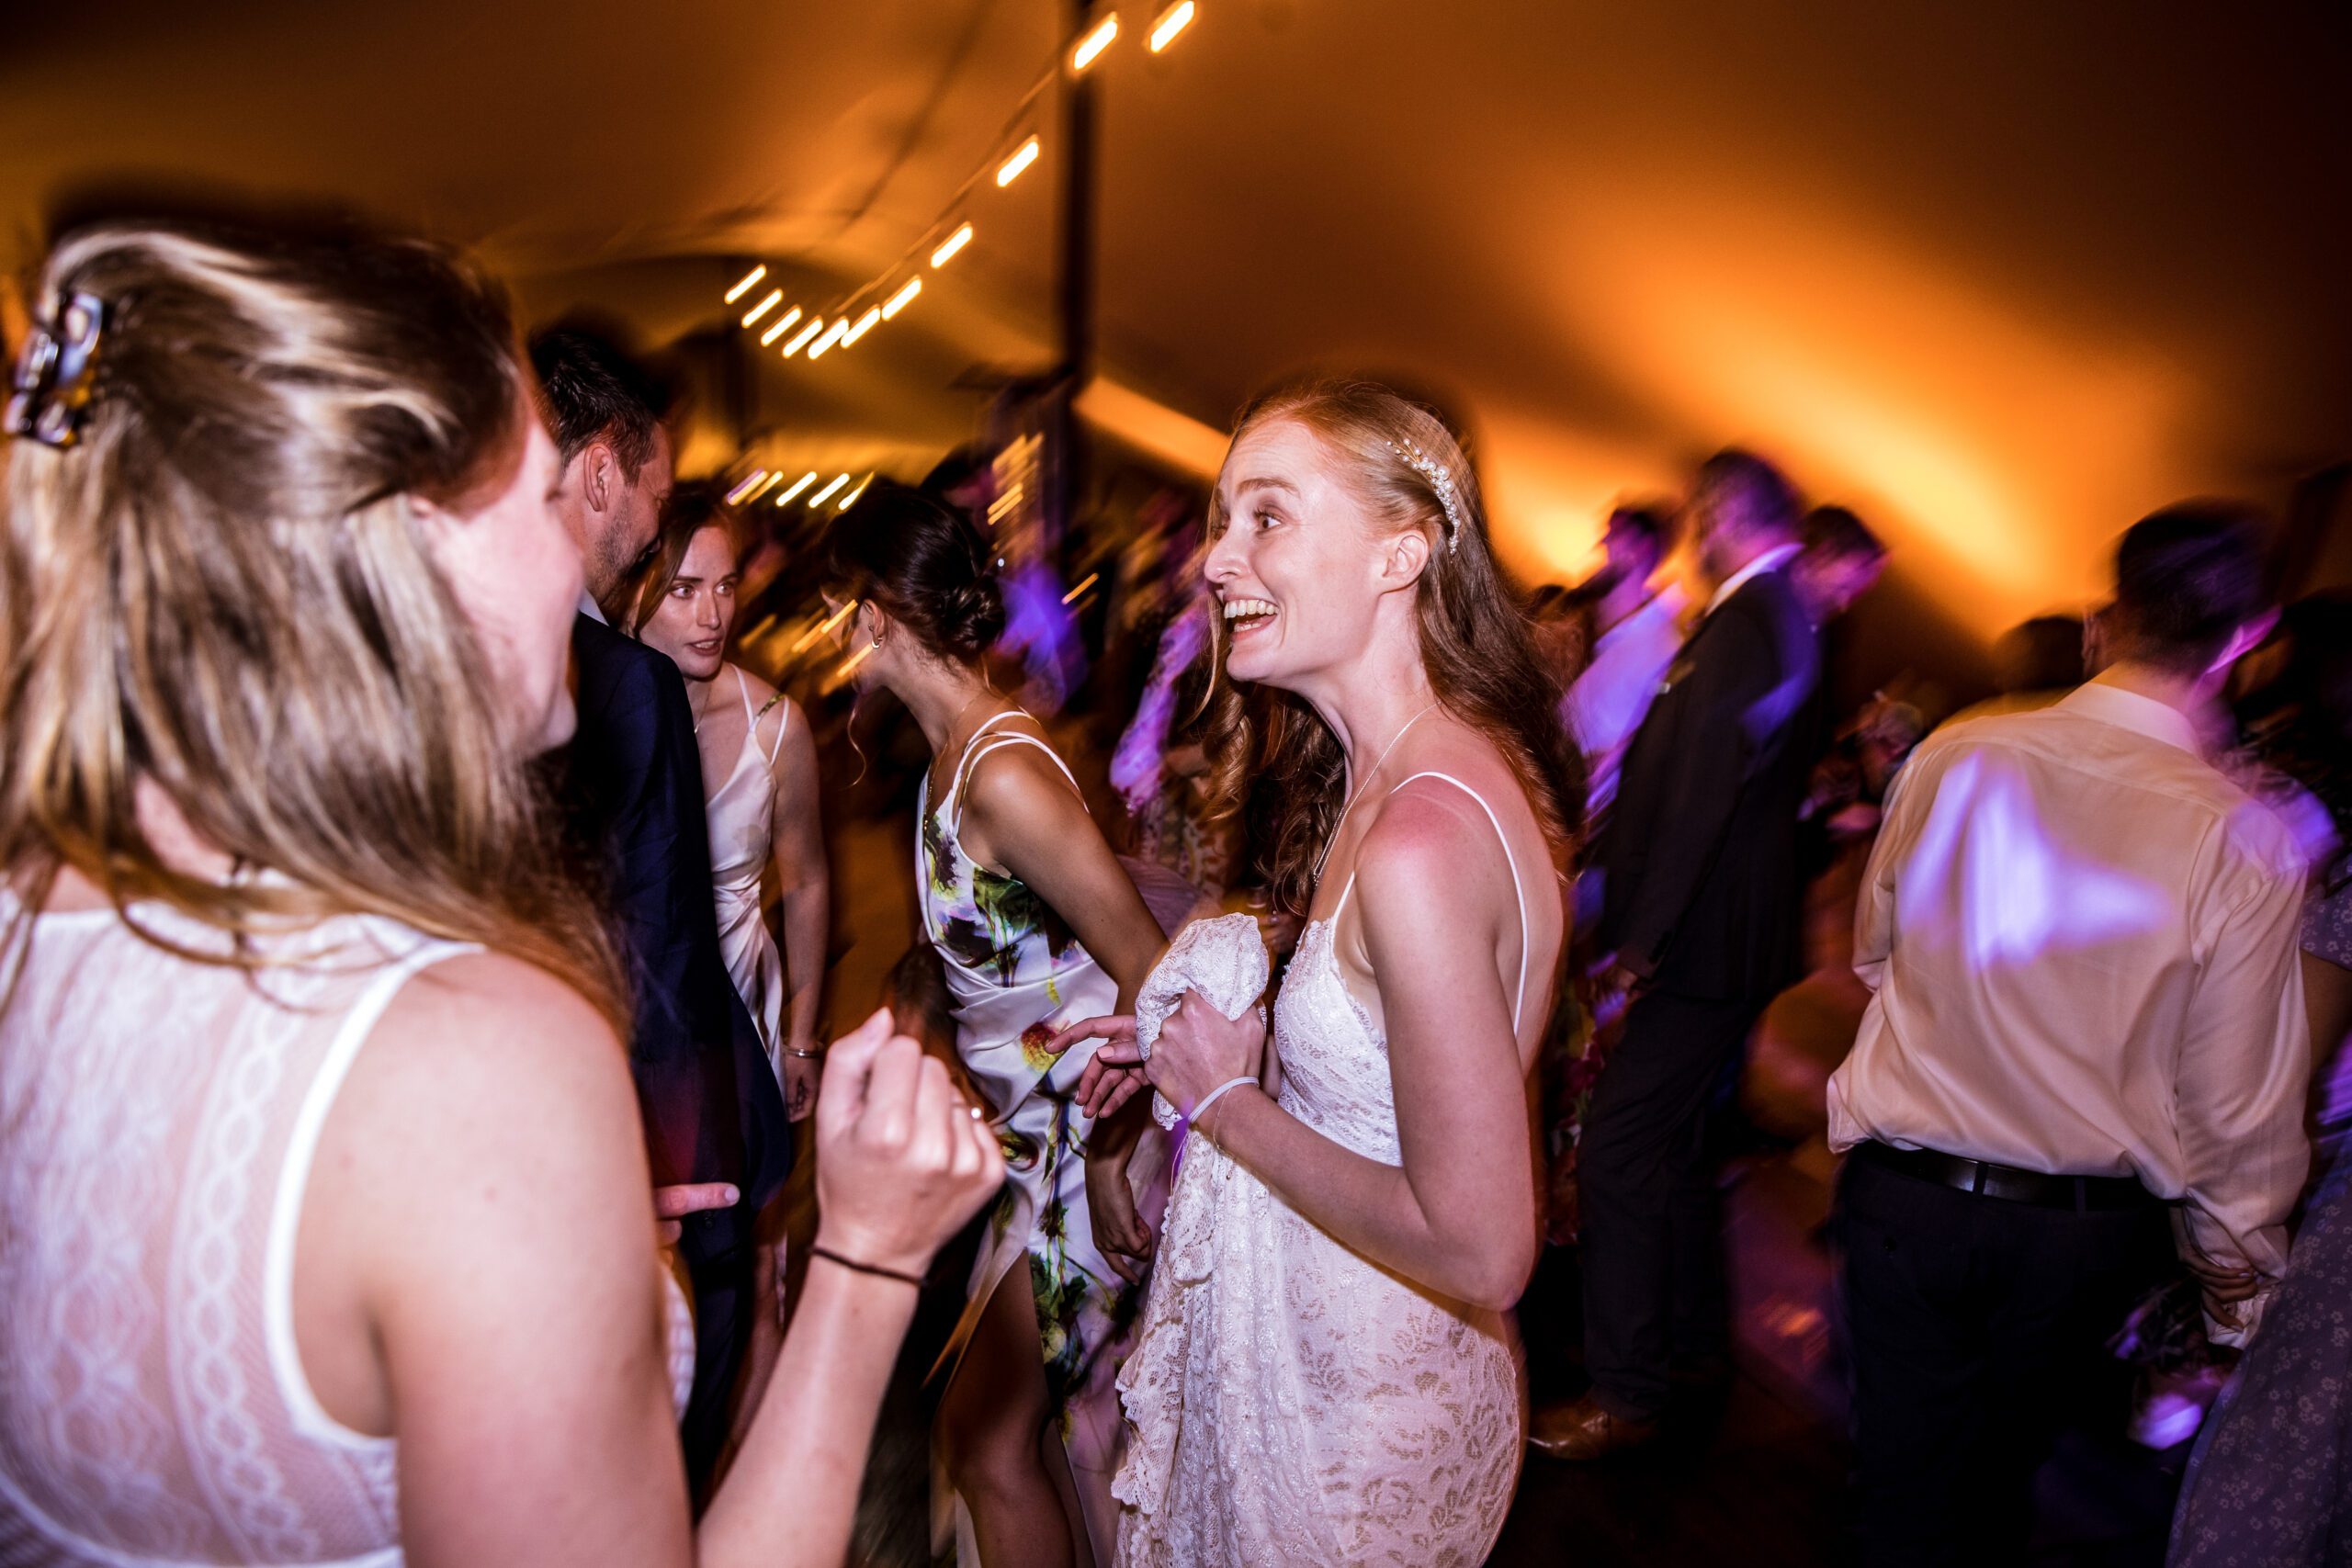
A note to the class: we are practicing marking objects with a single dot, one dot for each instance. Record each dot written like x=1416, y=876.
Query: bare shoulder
x=487, y=1062
x=1430, y=847
x=774, y=715
x=1013, y=781
x=1462, y=844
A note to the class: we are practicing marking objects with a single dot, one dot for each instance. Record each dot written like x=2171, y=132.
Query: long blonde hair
x=1474, y=642
x=223, y=591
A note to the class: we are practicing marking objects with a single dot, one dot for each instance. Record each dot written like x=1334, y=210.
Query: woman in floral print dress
x=1021, y=897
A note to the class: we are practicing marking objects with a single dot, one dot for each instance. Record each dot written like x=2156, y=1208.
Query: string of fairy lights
x=801, y=329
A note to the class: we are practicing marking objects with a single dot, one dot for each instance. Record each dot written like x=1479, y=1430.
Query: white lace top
x=157, y=1121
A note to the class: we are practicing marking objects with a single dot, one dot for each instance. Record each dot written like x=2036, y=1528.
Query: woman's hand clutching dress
x=1199, y=1048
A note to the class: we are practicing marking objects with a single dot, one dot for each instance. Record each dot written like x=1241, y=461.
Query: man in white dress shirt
x=1636, y=634
x=2082, y=938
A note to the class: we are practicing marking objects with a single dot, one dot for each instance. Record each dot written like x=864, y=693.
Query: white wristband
x=1201, y=1108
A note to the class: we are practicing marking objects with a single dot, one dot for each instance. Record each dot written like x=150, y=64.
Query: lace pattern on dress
x=1290, y=1401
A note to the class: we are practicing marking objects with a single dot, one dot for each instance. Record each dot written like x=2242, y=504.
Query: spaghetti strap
x=982, y=743
x=1518, y=889
x=783, y=727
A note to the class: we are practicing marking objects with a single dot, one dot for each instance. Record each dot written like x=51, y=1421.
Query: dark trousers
x=724, y=1287
x=1652, y=1244
x=1978, y=1329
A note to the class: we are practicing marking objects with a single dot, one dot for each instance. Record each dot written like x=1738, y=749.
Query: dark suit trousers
x=1652, y=1245
x=1977, y=1329
x=724, y=1286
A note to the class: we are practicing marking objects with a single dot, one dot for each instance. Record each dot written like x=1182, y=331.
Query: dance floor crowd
x=437, y=1122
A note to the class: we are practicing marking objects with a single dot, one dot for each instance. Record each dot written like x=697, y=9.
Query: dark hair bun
x=925, y=562
x=974, y=617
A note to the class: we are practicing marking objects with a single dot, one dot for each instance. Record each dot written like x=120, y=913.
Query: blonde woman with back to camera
x=325, y=1226
x=1338, y=1380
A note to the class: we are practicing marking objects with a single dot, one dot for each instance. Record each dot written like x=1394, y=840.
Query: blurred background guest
x=1840, y=560
x=1698, y=892
x=713, y=1110
x=1036, y=925
x=2080, y=935
x=1634, y=631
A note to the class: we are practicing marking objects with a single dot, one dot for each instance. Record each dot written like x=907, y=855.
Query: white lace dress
x=158, y=1119
x=1292, y=1401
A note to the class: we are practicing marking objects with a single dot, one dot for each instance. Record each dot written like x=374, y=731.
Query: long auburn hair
x=692, y=506
x=223, y=591
x=1273, y=748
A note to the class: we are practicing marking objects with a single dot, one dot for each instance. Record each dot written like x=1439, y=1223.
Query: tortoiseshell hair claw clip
x=56, y=374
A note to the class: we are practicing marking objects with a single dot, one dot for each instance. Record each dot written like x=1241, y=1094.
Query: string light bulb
x=775, y=297
x=748, y=282
x=829, y=337
x=1174, y=20
x=1013, y=167
x=902, y=299
x=851, y=499
x=827, y=494
x=865, y=325
x=782, y=325
x=951, y=246
x=803, y=482
x=800, y=339
x=768, y=484
x=750, y=482
x=1098, y=39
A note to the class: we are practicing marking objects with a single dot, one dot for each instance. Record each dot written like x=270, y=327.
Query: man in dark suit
x=1699, y=903
x=633, y=784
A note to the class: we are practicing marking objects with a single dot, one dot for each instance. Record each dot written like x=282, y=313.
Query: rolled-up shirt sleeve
x=2244, y=1076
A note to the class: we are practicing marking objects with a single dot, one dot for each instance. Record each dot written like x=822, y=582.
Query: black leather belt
x=2079, y=1193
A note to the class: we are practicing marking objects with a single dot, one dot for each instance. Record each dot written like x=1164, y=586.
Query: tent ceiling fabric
x=2002, y=276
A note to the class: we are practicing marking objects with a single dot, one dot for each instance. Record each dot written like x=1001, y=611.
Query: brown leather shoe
x=1582, y=1430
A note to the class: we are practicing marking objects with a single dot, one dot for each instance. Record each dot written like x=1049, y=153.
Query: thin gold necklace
x=1369, y=774
x=946, y=749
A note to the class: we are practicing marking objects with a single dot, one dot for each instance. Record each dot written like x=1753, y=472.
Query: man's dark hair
x=592, y=390
x=955, y=471
x=2187, y=579
x=1649, y=522
x=2044, y=654
x=1747, y=492
x=1832, y=532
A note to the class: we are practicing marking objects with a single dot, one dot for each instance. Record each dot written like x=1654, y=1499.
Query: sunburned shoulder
x=1428, y=842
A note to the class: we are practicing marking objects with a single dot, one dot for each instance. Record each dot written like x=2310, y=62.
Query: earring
x=877, y=639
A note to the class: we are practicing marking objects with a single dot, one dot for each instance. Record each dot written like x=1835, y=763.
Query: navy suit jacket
x=633, y=785
x=1699, y=892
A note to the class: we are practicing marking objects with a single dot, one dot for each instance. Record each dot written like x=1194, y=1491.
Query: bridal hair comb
x=56, y=374
x=1441, y=480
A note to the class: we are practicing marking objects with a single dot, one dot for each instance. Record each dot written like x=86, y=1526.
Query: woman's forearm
x=792, y=1495
x=1112, y=1138
x=806, y=913
x=1369, y=1206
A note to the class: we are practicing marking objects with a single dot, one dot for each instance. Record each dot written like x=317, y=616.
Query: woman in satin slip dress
x=1036, y=925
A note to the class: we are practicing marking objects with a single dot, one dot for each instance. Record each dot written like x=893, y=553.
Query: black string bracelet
x=854, y=1267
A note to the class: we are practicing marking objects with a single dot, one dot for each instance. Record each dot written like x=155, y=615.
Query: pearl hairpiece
x=1442, y=481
